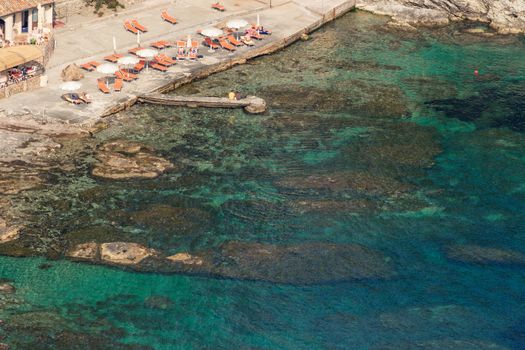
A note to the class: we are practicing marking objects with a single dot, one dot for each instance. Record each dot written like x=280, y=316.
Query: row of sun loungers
x=134, y=26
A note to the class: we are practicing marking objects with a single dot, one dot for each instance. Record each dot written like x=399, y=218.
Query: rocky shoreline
x=503, y=16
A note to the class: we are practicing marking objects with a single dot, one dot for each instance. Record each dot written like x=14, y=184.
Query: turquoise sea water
x=441, y=152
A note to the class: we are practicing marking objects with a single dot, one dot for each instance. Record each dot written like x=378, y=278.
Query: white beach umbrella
x=188, y=41
x=147, y=53
x=107, y=68
x=236, y=23
x=212, y=32
x=71, y=86
x=128, y=60
x=258, y=21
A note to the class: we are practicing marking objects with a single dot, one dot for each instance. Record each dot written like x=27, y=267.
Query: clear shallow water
x=442, y=158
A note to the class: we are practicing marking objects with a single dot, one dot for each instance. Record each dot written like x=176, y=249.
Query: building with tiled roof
x=24, y=16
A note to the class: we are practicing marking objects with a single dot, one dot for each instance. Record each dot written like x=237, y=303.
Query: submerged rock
x=7, y=288
x=186, y=259
x=173, y=219
x=8, y=233
x=120, y=160
x=484, y=255
x=124, y=253
x=158, y=302
x=331, y=206
x=362, y=182
x=84, y=251
x=306, y=263
x=14, y=184
x=443, y=344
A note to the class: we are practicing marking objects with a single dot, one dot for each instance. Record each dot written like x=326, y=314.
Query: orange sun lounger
x=113, y=58
x=139, y=66
x=225, y=45
x=234, y=41
x=102, y=86
x=168, y=59
x=162, y=62
x=158, y=67
x=87, y=67
x=139, y=26
x=129, y=27
x=159, y=45
x=118, y=85
x=124, y=76
x=218, y=6
x=166, y=16
x=208, y=42
x=134, y=50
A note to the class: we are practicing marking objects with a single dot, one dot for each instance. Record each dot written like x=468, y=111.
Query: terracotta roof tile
x=11, y=6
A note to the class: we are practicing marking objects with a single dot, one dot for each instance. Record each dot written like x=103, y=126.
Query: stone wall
x=65, y=8
x=26, y=85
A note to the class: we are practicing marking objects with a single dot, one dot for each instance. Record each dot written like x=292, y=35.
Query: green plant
x=98, y=4
x=32, y=41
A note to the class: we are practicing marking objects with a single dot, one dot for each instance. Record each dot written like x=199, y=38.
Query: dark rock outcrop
x=484, y=255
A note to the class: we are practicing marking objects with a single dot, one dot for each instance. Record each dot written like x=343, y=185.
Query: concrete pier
x=251, y=104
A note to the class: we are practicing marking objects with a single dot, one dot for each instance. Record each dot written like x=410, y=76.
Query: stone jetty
x=251, y=104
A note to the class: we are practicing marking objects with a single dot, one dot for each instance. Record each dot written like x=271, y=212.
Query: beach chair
x=94, y=63
x=118, y=85
x=127, y=73
x=166, y=43
x=159, y=45
x=158, y=67
x=218, y=7
x=139, y=66
x=139, y=26
x=87, y=67
x=102, y=86
x=129, y=27
x=194, y=51
x=166, y=16
x=225, y=45
x=134, y=50
x=208, y=42
x=113, y=58
x=161, y=61
x=168, y=59
x=234, y=41
x=121, y=76
x=127, y=77
x=181, y=50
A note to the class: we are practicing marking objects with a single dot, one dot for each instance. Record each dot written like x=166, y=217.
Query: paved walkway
x=83, y=40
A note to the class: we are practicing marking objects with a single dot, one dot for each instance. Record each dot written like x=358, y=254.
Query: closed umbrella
x=71, y=86
x=107, y=68
x=237, y=23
